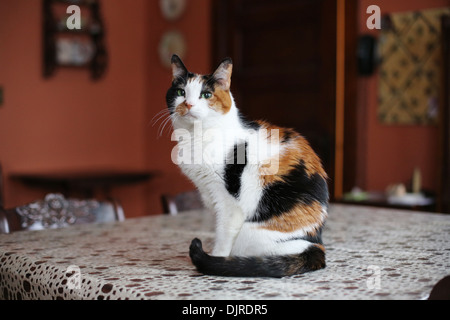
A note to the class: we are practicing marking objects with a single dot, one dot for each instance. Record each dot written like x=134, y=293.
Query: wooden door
x=284, y=55
x=444, y=126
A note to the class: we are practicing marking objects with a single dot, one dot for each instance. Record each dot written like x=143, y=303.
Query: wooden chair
x=174, y=204
x=55, y=211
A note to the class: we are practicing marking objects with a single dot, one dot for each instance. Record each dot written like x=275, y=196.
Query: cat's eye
x=181, y=92
x=206, y=95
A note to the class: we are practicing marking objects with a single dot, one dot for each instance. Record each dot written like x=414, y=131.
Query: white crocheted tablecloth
x=371, y=253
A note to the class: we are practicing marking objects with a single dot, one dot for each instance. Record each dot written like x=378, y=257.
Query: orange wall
x=69, y=121
x=389, y=154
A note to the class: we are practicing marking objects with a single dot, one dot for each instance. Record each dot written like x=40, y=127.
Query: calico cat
x=270, y=205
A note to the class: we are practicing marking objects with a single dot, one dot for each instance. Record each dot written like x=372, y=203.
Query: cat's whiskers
x=164, y=124
x=161, y=114
x=161, y=119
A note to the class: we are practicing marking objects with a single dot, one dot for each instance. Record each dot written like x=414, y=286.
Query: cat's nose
x=188, y=105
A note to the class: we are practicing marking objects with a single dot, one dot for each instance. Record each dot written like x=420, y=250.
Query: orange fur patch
x=312, y=162
x=301, y=216
x=296, y=149
x=220, y=101
x=182, y=109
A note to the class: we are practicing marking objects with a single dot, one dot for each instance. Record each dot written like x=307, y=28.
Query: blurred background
x=81, y=104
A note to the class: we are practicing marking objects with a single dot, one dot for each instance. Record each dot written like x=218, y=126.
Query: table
x=372, y=253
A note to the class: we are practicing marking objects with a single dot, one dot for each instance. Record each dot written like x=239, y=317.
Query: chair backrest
x=55, y=211
x=174, y=204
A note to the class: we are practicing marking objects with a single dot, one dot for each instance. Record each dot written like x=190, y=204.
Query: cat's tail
x=311, y=259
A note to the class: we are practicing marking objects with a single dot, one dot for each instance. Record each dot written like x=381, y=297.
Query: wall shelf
x=77, y=48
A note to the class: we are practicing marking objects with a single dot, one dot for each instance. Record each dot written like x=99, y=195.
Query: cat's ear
x=223, y=74
x=178, y=68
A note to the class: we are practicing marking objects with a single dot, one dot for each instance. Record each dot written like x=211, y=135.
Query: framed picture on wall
x=411, y=67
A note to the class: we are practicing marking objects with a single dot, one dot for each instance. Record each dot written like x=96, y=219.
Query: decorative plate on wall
x=172, y=42
x=172, y=9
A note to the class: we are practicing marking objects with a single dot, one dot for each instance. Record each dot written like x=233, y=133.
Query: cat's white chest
x=203, y=157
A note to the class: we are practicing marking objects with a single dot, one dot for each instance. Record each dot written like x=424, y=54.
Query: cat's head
x=198, y=97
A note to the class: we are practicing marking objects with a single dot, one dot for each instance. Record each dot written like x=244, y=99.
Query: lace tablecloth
x=371, y=254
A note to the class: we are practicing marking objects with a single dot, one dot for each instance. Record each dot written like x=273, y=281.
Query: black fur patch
x=209, y=83
x=177, y=83
x=248, y=124
x=282, y=196
x=317, y=238
x=171, y=95
x=234, y=167
x=288, y=134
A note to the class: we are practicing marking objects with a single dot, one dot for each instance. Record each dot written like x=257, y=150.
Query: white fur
x=255, y=241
